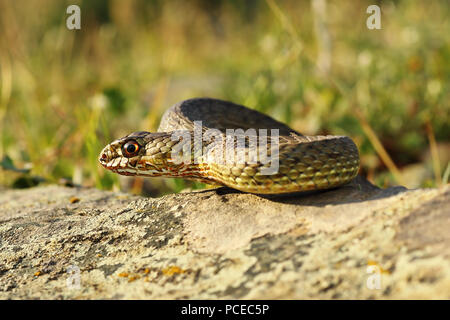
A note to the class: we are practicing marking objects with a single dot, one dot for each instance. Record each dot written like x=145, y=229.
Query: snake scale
x=302, y=162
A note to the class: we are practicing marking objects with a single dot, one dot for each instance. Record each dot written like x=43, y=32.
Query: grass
x=65, y=94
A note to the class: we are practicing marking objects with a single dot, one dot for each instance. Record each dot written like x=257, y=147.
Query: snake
x=286, y=162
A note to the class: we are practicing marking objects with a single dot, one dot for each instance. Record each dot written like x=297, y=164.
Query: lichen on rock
x=221, y=243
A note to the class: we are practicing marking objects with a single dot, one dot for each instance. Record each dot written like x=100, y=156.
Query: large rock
x=356, y=241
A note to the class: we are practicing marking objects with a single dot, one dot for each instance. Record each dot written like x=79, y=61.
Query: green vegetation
x=65, y=94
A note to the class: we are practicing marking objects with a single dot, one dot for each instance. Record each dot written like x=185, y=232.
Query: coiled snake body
x=302, y=162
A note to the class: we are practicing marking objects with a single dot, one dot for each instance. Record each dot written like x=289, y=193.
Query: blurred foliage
x=67, y=93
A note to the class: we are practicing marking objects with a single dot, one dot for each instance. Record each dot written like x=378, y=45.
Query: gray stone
x=220, y=243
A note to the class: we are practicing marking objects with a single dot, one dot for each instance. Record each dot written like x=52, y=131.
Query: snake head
x=139, y=153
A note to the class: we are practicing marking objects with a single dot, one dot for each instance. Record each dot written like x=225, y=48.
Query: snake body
x=304, y=162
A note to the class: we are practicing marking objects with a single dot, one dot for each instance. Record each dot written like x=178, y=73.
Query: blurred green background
x=312, y=64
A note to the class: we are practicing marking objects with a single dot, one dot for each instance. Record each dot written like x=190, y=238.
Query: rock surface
x=356, y=241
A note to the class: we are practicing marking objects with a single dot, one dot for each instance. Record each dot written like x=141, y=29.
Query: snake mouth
x=112, y=164
x=124, y=172
x=117, y=168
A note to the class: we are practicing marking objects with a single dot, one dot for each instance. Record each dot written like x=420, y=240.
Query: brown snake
x=301, y=162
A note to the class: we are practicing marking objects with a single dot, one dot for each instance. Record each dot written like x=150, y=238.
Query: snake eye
x=130, y=149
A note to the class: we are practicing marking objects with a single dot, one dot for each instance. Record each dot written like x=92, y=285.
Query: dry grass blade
x=287, y=25
x=434, y=153
x=380, y=150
